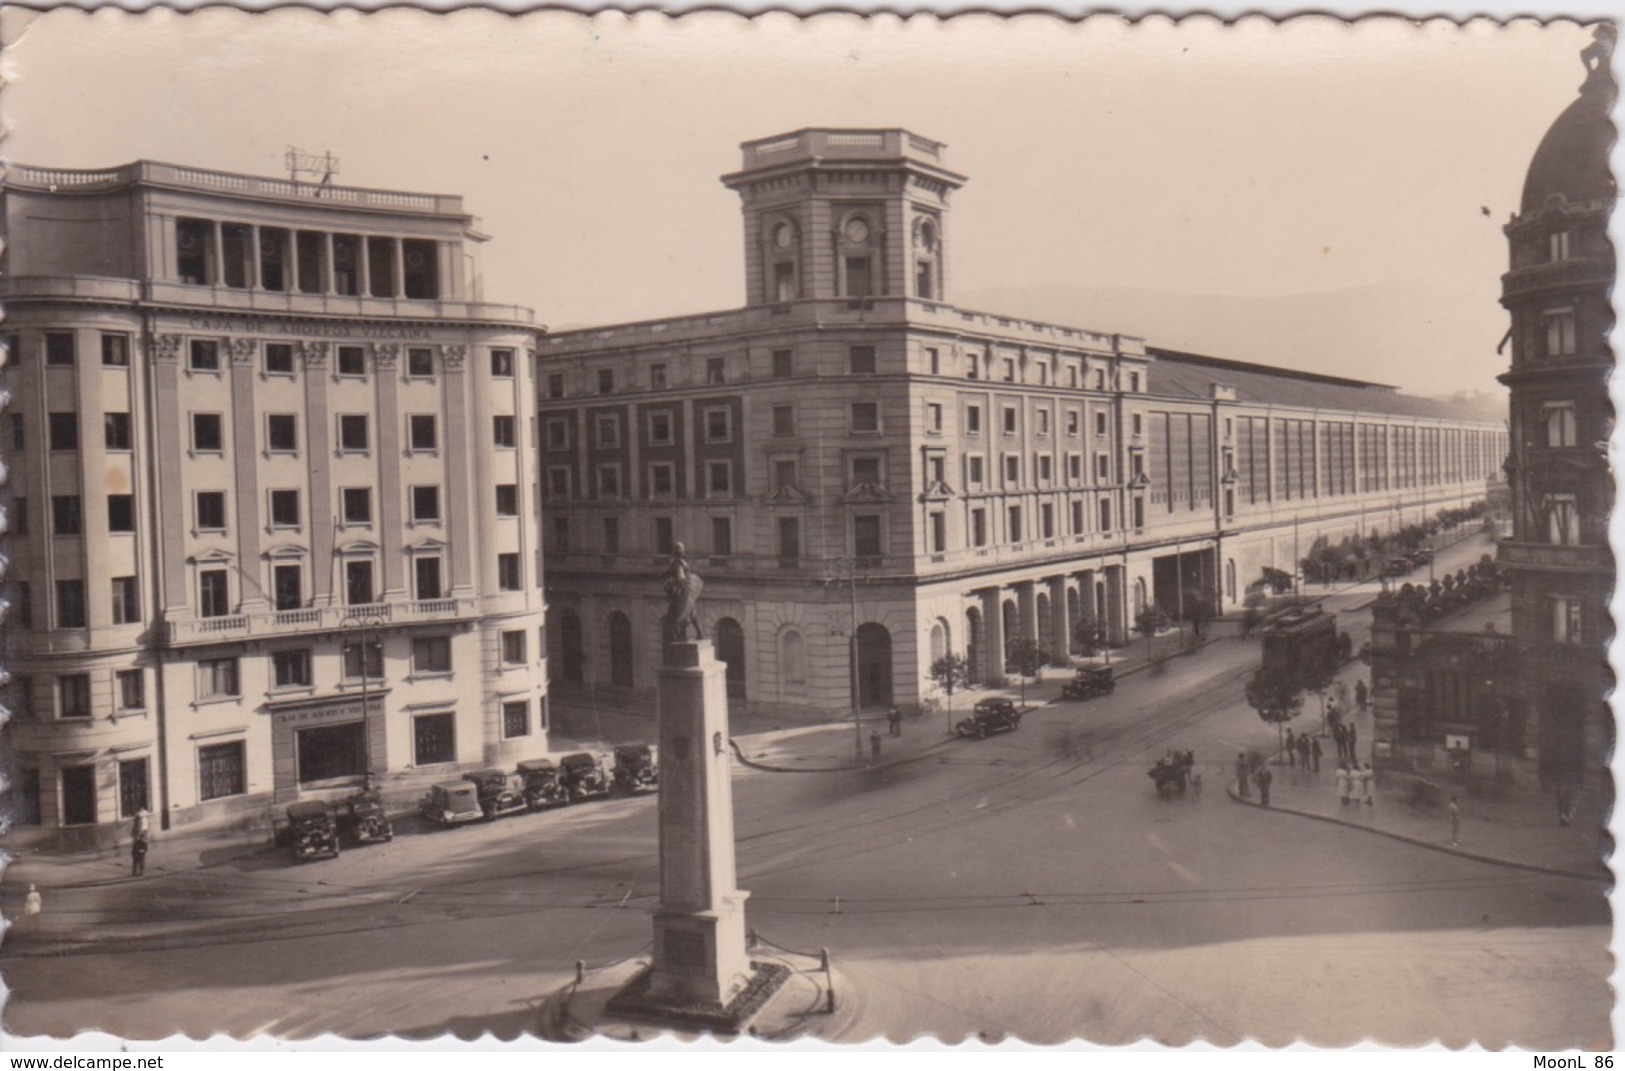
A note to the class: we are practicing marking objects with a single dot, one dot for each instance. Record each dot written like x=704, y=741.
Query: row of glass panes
x=203, y=355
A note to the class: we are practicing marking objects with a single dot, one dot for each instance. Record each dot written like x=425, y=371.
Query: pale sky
x=1254, y=161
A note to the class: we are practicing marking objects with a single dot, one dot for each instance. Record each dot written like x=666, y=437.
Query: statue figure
x=683, y=587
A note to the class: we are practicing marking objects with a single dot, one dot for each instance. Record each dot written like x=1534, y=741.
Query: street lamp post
x=364, y=624
x=834, y=577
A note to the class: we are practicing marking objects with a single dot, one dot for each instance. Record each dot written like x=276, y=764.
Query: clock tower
x=838, y=213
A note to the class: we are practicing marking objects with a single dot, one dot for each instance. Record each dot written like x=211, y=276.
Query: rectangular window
x=660, y=428
x=718, y=425
x=422, y=432
x=974, y=474
x=126, y=601
x=1134, y=382
x=1562, y=520
x=64, y=430
x=502, y=363
x=20, y=697
x=116, y=430
x=1100, y=424
x=419, y=362
x=508, y=578
x=933, y=360
x=1073, y=419
x=19, y=431
x=507, y=500
x=612, y=535
x=866, y=471
x=431, y=654
x=719, y=478
x=426, y=580
x=1042, y=418
x=291, y=669
x=211, y=511
x=606, y=381
x=1561, y=429
x=558, y=482
x=356, y=505
x=281, y=433
x=364, y=661
x=516, y=719
x=1013, y=524
x=715, y=370
x=115, y=350
x=1046, y=521
x=73, y=696
x=861, y=360
x=1566, y=620
x=278, y=359
x=657, y=377
x=978, y=527
x=555, y=385
x=866, y=536
x=19, y=516
x=784, y=474
x=789, y=538
x=1012, y=470
x=1045, y=468
x=1009, y=420
x=1558, y=245
x=558, y=434
x=933, y=418
x=502, y=431
x=1136, y=424
x=353, y=436
x=661, y=478
x=130, y=685
x=284, y=509
x=213, y=593
x=67, y=515
x=608, y=427
x=783, y=364
x=857, y=277
x=1009, y=369
x=784, y=420
x=722, y=536
x=973, y=420
x=1074, y=467
x=217, y=678
x=352, y=361
x=287, y=586
x=426, y=504
x=59, y=347
x=1103, y=468
x=434, y=739
x=1077, y=516
x=203, y=355
x=1139, y=512
x=1105, y=515
x=207, y=436
x=939, y=532
x=865, y=417
x=664, y=539
x=222, y=771
x=121, y=513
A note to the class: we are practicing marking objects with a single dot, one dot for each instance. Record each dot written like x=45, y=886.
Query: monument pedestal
x=701, y=970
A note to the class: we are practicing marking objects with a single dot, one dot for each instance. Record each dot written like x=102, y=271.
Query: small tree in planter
x=1026, y=658
x=1148, y=622
x=1277, y=697
x=951, y=673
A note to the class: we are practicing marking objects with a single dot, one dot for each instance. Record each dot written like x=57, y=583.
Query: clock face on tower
x=857, y=229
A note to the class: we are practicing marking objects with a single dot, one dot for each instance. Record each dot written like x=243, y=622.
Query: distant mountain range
x=1434, y=338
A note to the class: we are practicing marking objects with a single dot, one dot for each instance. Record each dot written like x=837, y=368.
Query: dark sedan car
x=990, y=716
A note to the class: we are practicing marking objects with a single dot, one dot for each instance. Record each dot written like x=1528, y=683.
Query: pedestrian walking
x=894, y=718
x=1342, y=690
x=1334, y=710
x=1351, y=735
x=1303, y=752
x=1361, y=694
x=1366, y=779
x=1341, y=739
x=1264, y=778
x=1291, y=749
x=1455, y=824
x=1343, y=783
x=138, y=857
x=1315, y=752
x=1241, y=775
x=874, y=744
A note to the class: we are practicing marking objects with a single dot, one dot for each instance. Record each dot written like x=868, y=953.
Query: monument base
x=700, y=956
x=639, y=1000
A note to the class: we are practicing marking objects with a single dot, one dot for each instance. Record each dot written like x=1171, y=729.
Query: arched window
x=792, y=658
x=1139, y=596
x=939, y=640
x=874, y=665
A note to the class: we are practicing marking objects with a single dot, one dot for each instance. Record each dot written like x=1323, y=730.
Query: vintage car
x=635, y=770
x=542, y=788
x=366, y=819
x=312, y=831
x=582, y=776
x=1400, y=566
x=1089, y=682
x=499, y=792
x=451, y=803
x=990, y=716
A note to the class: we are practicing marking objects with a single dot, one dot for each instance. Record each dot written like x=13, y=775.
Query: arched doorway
x=731, y=649
x=973, y=642
x=1074, y=614
x=939, y=641
x=1046, y=630
x=570, y=646
x=620, y=650
x=874, y=665
x=792, y=665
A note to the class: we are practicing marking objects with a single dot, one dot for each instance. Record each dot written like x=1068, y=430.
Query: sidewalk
x=1520, y=830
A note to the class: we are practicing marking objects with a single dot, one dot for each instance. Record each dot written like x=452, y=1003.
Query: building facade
x=271, y=510
x=869, y=477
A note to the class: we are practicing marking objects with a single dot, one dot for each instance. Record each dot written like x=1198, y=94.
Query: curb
x=757, y=764
x=1230, y=790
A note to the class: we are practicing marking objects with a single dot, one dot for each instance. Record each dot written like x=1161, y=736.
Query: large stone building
x=270, y=502
x=869, y=476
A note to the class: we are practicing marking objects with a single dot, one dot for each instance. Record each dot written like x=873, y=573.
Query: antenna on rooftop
x=323, y=167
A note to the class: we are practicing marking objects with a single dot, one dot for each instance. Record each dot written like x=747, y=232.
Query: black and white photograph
x=564, y=528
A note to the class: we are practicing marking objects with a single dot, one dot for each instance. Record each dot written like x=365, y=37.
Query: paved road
x=1030, y=884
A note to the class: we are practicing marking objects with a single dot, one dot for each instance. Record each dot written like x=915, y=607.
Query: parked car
x=990, y=716
x=1421, y=556
x=542, y=788
x=451, y=803
x=635, y=769
x=1089, y=682
x=500, y=793
x=312, y=831
x=366, y=818
x=1400, y=566
x=582, y=776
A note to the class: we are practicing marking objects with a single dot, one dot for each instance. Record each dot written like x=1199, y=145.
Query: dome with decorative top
x=1572, y=160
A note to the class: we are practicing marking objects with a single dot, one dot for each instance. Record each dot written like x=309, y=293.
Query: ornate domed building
x=1557, y=290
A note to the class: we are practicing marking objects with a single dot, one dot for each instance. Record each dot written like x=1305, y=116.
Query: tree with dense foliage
x=1025, y=657
x=951, y=673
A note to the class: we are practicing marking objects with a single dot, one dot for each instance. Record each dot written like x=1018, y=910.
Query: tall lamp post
x=366, y=624
x=850, y=565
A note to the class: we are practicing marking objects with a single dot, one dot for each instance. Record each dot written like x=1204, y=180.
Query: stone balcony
x=233, y=627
